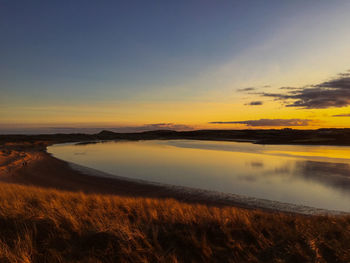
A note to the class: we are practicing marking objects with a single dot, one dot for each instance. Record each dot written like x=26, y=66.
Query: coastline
x=44, y=170
x=215, y=196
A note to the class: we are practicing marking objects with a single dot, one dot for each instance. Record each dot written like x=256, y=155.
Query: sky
x=139, y=65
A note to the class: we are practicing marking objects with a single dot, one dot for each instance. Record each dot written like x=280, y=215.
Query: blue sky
x=63, y=57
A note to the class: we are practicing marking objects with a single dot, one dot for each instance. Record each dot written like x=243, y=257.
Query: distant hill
x=272, y=136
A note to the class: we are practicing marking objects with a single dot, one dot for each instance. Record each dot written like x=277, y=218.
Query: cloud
x=268, y=122
x=169, y=125
x=289, y=88
x=152, y=126
x=255, y=103
x=333, y=93
x=342, y=115
x=246, y=89
x=253, y=88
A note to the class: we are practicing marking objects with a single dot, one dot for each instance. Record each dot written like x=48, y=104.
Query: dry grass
x=42, y=225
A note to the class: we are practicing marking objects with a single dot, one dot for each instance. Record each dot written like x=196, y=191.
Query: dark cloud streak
x=268, y=122
x=168, y=125
x=246, y=89
x=333, y=93
x=342, y=115
x=255, y=103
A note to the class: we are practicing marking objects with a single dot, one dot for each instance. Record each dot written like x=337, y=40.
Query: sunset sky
x=138, y=65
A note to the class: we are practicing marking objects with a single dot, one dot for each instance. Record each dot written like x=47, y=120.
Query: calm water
x=317, y=176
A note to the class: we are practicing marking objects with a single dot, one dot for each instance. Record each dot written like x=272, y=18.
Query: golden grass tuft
x=44, y=225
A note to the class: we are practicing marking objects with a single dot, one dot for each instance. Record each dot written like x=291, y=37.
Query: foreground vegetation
x=43, y=225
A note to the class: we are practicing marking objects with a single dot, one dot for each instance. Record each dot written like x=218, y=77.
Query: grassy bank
x=43, y=225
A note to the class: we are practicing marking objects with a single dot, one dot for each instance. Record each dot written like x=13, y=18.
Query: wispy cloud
x=268, y=122
x=168, y=125
x=342, y=115
x=255, y=103
x=152, y=126
x=332, y=93
x=290, y=88
x=246, y=89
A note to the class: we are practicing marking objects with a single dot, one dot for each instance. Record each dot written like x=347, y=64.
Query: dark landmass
x=283, y=136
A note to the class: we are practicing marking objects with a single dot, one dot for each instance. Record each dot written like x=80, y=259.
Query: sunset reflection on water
x=317, y=176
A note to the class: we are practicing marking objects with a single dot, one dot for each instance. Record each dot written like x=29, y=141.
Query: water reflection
x=336, y=175
x=256, y=164
x=320, y=179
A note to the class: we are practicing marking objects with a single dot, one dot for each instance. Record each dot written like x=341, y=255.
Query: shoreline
x=44, y=170
x=216, y=196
